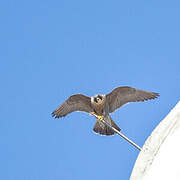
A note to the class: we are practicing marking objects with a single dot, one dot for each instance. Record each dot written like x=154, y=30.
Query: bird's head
x=98, y=98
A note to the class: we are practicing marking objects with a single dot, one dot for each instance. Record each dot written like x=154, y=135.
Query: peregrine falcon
x=101, y=105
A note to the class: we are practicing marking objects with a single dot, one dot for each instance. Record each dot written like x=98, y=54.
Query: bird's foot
x=99, y=117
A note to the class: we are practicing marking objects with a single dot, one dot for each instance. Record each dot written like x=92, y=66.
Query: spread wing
x=125, y=94
x=77, y=102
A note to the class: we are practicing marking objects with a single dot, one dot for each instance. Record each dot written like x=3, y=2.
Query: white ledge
x=160, y=155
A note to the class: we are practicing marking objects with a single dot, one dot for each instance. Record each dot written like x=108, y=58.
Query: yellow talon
x=99, y=117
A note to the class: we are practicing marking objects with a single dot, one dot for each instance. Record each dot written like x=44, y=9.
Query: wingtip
x=53, y=114
x=56, y=115
x=156, y=95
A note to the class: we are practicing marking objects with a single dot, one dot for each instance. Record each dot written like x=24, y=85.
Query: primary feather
x=122, y=95
x=77, y=102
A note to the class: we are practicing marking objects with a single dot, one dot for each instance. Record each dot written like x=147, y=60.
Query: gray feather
x=103, y=129
x=125, y=94
x=77, y=102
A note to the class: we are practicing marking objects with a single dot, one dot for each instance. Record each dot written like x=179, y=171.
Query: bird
x=101, y=106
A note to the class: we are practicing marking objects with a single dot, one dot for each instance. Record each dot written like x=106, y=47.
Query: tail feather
x=103, y=129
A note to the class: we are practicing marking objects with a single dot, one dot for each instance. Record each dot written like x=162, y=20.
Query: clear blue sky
x=53, y=49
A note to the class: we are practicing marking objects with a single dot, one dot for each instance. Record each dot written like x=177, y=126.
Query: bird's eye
x=99, y=97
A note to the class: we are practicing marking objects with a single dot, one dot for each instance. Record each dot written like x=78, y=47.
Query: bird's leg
x=99, y=117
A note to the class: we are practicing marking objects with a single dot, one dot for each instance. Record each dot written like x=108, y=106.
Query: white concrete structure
x=160, y=155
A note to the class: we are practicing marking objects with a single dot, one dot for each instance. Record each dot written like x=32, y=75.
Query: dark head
x=98, y=98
